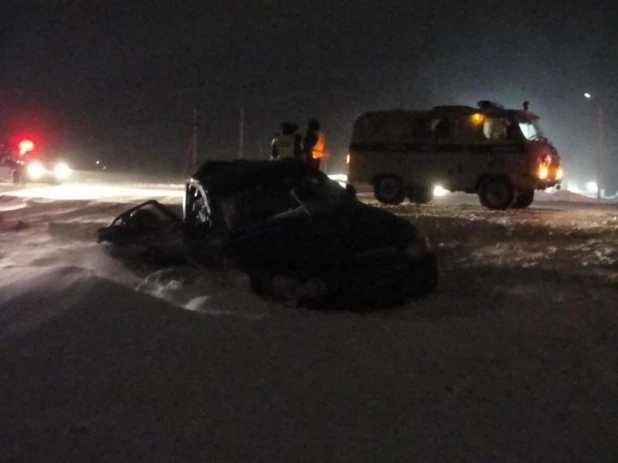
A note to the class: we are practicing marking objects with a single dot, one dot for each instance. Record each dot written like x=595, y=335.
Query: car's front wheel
x=198, y=211
x=389, y=189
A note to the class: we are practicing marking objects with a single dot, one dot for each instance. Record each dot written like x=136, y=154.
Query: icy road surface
x=515, y=358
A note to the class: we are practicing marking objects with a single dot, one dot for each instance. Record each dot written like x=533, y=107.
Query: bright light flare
x=341, y=179
x=574, y=188
x=25, y=146
x=587, y=95
x=477, y=118
x=347, y=159
x=559, y=173
x=592, y=187
x=99, y=191
x=35, y=170
x=62, y=171
x=543, y=172
x=439, y=191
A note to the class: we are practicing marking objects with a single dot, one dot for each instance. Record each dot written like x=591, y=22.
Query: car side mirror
x=350, y=190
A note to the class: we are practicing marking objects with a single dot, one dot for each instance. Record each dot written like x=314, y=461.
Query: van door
x=482, y=145
x=438, y=153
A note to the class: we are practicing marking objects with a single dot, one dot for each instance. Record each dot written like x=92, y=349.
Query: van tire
x=419, y=195
x=497, y=193
x=389, y=189
x=524, y=198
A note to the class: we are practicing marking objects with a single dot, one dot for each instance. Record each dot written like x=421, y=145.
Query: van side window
x=469, y=129
x=441, y=129
x=497, y=129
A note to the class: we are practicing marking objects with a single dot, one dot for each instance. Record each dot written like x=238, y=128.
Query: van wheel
x=389, y=190
x=524, y=198
x=419, y=195
x=497, y=193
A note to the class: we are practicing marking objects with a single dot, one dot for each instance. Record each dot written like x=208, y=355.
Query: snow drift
x=512, y=360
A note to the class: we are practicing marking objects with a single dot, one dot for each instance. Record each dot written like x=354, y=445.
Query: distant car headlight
x=62, y=170
x=35, y=170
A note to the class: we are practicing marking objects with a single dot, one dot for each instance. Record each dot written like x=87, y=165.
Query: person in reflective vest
x=287, y=143
x=314, y=143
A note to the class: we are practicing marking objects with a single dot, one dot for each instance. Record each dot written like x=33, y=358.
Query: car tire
x=199, y=212
x=524, y=198
x=497, y=193
x=388, y=189
x=419, y=195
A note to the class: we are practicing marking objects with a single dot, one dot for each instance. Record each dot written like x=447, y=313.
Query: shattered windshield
x=320, y=189
x=310, y=194
x=531, y=130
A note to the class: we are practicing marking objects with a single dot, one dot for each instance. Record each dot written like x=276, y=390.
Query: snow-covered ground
x=514, y=358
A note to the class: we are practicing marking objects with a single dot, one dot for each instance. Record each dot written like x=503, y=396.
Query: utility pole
x=600, y=142
x=194, y=142
x=196, y=121
x=241, y=135
x=600, y=166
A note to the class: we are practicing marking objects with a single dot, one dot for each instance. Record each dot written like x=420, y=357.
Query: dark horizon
x=118, y=82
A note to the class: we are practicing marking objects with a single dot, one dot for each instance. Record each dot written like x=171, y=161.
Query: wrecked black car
x=295, y=232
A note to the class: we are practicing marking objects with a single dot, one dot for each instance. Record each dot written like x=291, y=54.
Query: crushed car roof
x=228, y=177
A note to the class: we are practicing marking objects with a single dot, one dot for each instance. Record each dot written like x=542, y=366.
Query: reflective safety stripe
x=488, y=147
x=318, y=148
x=285, y=146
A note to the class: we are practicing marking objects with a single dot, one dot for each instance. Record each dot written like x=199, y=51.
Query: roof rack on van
x=486, y=104
x=453, y=107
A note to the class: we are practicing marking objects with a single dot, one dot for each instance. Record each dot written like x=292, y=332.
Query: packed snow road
x=513, y=359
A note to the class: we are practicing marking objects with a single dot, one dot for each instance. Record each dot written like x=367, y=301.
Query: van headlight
x=543, y=172
x=62, y=170
x=559, y=173
x=35, y=170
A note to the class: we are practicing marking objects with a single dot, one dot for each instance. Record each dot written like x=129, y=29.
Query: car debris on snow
x=296, y=233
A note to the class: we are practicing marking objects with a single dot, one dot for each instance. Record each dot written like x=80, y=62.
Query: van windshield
x=531, y=130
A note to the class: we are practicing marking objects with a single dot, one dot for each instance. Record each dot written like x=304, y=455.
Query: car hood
x=314, y=233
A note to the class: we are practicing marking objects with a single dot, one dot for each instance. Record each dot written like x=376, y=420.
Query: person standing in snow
x=287, y=143
x=314, y=143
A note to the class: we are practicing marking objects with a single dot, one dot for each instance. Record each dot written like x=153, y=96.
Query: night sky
x=117, y=80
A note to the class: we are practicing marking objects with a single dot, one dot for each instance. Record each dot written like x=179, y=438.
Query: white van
x=499, y=154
